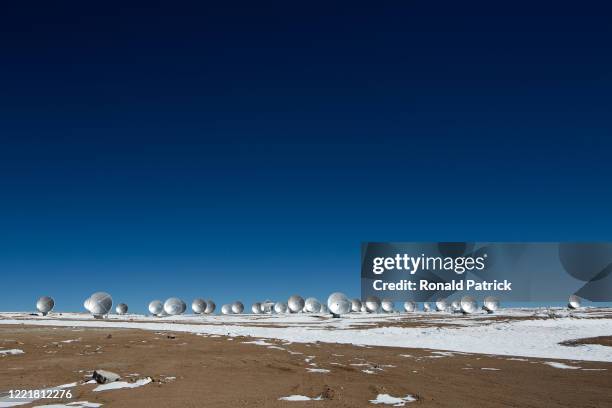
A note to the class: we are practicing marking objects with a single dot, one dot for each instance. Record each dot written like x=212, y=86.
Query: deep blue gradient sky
x=245, y=152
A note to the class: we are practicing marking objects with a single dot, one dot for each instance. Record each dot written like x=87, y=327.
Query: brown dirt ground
x=218, y=372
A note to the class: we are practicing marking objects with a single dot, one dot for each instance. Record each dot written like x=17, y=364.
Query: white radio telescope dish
x=121, y=309
x=372, y=304
x=574, y=302
x=174, y=306
x=441, y=305
x=387, y=305
x=355, y=305
x=198, y=306
x=363, y=308
x=237, y=307
x=156, y=307
x=256, y=308
x=210, y=307
x=99, y=304
x=491, y=304
x=295, y=303
x=426, y=307
x=226, y=309
x=456, y=305
x=280, y=307
x=268, y=306
x=312, y=305
x=45, y=304
x=468, y=304
x=410, y=306
x=338, y=304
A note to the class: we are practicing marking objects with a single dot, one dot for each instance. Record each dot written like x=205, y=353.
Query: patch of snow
x=77, y=404
x=299, y=398
x=11, y=352
x=317, y=370
x=477, y=333
x=122, y=384
x=490, y=369
x=395, y=401
x=561, y=365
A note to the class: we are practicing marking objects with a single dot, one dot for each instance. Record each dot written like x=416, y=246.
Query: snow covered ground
x=526, y=332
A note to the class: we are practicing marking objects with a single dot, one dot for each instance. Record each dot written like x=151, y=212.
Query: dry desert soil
x=190, y=370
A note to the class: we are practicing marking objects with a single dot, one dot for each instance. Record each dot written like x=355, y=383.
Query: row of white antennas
x=100, y=304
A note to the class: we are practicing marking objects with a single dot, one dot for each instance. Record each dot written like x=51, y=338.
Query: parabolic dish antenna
x=426, y=307
x=312, y=305
x=268, y=306
x=198, y=306
x=121, y=308
x=295, y=303
x=156, y=307
x=86, y=304
x=210, y=307
x=338, y=304
x=363, y=308
x=256, y=308
x=99, y=304
x=468, y=304
x=387, y=305
x=45, y=304
x=226, y=309
x=280, y=307
x=491, y=304
x=372, y=304
x=355, y=305
x=237, y=307
x=441, y=305
x=456, y=305
x=410, y=306
x=174, y=306
x=574, y=302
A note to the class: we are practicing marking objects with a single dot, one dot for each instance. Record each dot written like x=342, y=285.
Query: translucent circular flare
x=226, y=309
x=410, y=306
x=468, y=304
x=210, y=307
x=372, y=304
x=156, y=307
x=45, y=304
x=491, y=304
x=312, y=305
x=295, y=303
x=280, y=307
x=99, y=304
x=387, y=305
x=441, y=305
x=198, y=306
x=121, y=309
x=338, y=303
x=174, y=306
x=356, y=305
x=237, y=307
x=574, y=302
x=256, y=308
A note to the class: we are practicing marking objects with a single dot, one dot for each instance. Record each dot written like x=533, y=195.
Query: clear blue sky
x=245, y=152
